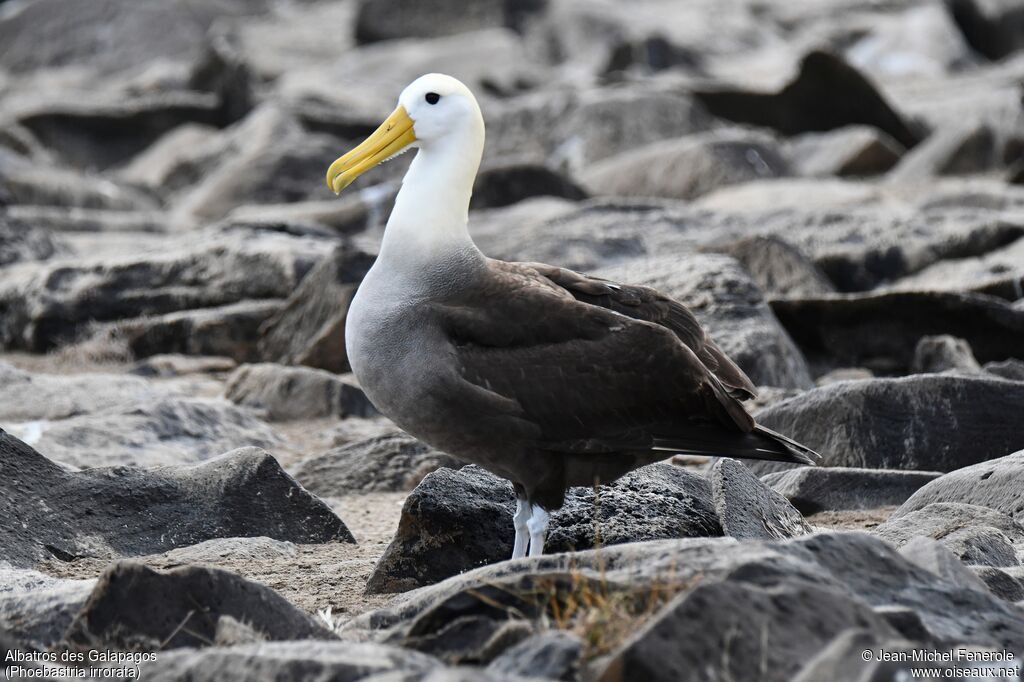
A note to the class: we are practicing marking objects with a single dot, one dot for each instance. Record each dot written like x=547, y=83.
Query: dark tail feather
x=713, y=441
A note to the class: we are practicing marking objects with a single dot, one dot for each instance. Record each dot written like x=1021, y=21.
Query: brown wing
x=593, y=379
x=650, y=305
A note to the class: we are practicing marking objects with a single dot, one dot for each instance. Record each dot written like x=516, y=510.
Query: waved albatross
x=541, y=375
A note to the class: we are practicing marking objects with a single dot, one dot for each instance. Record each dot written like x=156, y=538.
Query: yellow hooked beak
x=393, y=135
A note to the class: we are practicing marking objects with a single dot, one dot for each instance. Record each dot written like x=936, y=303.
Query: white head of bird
x=440, y=116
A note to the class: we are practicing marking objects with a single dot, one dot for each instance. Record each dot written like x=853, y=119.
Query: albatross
x=539, y=374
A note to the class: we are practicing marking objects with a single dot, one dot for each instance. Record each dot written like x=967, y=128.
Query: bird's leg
x=520, y=520
x=538, y=525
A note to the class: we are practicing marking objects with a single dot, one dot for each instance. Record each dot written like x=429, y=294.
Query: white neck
x=429, y=220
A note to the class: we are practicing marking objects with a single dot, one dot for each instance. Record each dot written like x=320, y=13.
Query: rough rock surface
x=38, y=607
x=815, y=489
x=310, y=329
x=392, y=462
x=994, y=484
x=134, y=607
x=456, y=520
x=244, y=492
x=748, y=509
x=882, y=330
x=929, y=422
x=295, y=392
x=976, y=535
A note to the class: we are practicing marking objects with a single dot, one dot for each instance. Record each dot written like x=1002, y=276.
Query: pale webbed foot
x=538, y=526
x=521, y=520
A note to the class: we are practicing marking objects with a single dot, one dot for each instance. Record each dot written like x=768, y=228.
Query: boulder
x=509, y=183
x=934, y=557
x=167, y=430
x=177, y=159
x=993, y=28
x=301, y=660
x=931, y=422
x=565, y=129
x=1000, y=583
x=941, y=353
x=816, y=489
x=731, y=308
x=50, y=304
x=125, y=511
x=966, y=148
x=434, y=540
x=850, y=151
x=827, y=93
x=394, y=462
x=688, y=167
x=553, y=655
x=135, y=608
x=310, y=328
x=390, y=19
x=777, y=267
x=976, y=535
x=995, y=484
x=792, y=594
x=1012, y=369
x=38, y=608
x=228, y=331
x=843, y=658
x=998, y=272
x=111, y=35
x=881, y=331
x=296, y=392
x=39, y=183
x=748, y=509
x=20, y=241
x=103, y=130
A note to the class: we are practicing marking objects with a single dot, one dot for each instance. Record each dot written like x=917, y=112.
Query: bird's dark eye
x=433, y=97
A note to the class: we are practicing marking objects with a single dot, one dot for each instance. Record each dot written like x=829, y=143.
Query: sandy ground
x=317, y=576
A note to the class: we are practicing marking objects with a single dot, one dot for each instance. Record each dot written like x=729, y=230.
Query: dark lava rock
x=38, y=607
x=510, y=183
x=109, y=35
x=1000, y=583
x=688, y=167
x=126, y=511
x=934, y=557
x=815, y=489
x=777, y=267
x=881, y=331
x=996, y=484
x=390, y=19
x=394, y=462
x=731, y=308
x=227, y=331
x=52, y=303
x=995, y=28
x=828, y=93
x=976, y=535
x=941, y=353
x=790, y=597
x=998, y=272
x=740, y=618
x=102, y=132
x=1012, y=369
x=954, y=151
x=134, y=608
x=932, y=422
x=456, y=520
x=850, y=151
x=20, y=241
x=552, y=655
x=843, y=658
x=310, y=329
x=168, y=430
x=296, y=392
x=748, y=509
x=302, y=660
